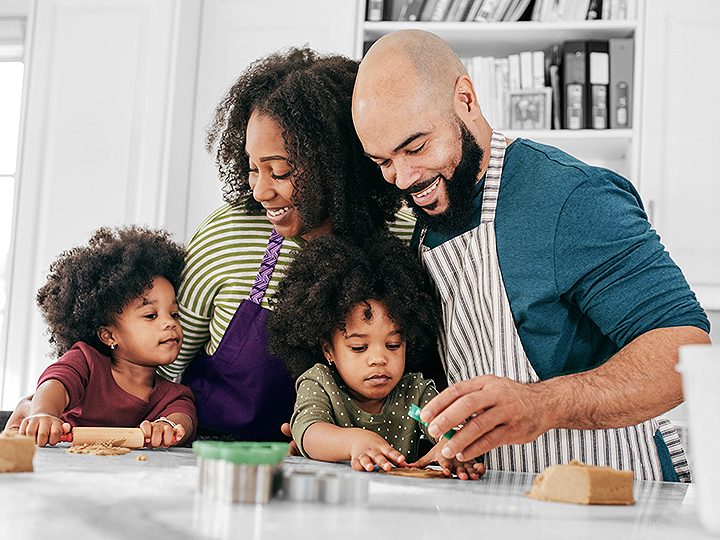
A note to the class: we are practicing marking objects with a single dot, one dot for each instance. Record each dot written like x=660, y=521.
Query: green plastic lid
x=254, y=453
x=208, y=449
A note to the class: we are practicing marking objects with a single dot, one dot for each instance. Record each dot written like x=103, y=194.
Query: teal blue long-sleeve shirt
x=584, y=271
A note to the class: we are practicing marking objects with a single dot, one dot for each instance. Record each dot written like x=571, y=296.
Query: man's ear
x=105, y=335
x=466, y=103
x=327, y=351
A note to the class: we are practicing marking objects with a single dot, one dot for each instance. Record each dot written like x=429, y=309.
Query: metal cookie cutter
x=239, y=471
x=331, y=488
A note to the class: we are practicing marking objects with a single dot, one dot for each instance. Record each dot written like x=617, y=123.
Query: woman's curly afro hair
x=88, y=286
x=310, y=97
x=331, y=276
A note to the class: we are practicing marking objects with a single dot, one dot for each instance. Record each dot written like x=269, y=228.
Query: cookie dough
x=583, y=484
x=415, y=472
x=16, y=452
x=98, y=449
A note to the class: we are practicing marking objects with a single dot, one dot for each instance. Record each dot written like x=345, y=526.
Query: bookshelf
x=617, y=149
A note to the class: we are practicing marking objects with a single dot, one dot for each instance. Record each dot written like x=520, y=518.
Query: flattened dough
x=98, y=449
x=415, y=472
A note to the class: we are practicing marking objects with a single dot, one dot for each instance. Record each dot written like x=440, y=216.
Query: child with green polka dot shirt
x=351, y=322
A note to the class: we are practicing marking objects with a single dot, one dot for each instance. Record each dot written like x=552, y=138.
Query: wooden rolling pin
x=126, y=437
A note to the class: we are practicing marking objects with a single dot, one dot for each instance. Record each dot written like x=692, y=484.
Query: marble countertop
x=94, y=497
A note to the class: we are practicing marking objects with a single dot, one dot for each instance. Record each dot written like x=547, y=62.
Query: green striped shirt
x=223, y=258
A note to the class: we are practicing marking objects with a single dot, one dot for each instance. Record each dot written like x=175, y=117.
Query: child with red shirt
x=113, y=318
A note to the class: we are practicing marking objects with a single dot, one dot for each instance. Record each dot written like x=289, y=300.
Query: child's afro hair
x=88, y=286
x=329, y=277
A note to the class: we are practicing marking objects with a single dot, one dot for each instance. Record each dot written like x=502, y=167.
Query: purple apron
x=242, y=390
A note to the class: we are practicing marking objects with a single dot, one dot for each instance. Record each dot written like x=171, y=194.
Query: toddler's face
x=370, y=355
x=148, y=331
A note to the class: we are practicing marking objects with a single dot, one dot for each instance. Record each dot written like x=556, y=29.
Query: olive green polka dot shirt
x=322, y=396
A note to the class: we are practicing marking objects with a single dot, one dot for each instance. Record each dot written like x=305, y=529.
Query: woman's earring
x=112, y=346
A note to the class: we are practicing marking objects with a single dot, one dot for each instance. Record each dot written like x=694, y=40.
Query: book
x=458, y=10
x=620, y=92
x=474, y=9
x=375, y=10
x=411, y=10
x=441, y=8
x=393, y=9
x=514, y=71
x=538, y=69
x=526, y=70
x=427, y=10
x=486, y=10
x=574, y=84
x=598, y=79
x=517, y=10
x=502, y=80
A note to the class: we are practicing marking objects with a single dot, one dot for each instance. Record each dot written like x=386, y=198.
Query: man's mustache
x=418, y=186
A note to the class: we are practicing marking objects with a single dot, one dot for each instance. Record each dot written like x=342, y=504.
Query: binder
x=621, y=82
x=574, y=84
x=554, y=76
x=598, y=79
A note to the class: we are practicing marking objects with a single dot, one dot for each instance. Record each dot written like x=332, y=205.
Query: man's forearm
x=638, y=383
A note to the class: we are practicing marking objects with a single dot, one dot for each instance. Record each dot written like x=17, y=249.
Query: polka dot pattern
x=322, y=396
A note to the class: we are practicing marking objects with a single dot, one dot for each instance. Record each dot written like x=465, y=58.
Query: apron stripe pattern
x=479, y=326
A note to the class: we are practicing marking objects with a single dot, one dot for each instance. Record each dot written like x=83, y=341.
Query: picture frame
x=531, y=108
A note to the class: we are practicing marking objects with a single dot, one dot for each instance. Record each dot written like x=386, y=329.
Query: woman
x=292, y=168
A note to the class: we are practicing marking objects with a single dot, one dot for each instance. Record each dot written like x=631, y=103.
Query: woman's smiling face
x=271, y=176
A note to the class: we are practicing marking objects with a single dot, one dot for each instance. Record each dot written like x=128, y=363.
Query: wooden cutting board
x=126, y=437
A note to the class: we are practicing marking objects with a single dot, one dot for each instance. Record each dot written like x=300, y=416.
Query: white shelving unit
x=617, y=149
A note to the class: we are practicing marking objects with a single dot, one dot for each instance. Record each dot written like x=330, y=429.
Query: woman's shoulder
x=231, y=220
x=403, y=225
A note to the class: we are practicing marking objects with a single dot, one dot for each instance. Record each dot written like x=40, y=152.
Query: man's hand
x=503, y=412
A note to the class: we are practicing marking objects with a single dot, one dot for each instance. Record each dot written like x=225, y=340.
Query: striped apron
x=479, y=325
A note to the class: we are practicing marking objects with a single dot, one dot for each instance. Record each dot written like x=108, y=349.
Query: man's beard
x=460, y=188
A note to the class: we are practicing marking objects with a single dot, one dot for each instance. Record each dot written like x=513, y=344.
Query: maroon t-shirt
x=96, y=400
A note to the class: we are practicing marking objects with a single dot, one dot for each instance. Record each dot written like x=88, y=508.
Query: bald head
x=408, y=63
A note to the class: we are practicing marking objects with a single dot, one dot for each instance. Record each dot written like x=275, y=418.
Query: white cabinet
x=616, y=149
x=680, y=171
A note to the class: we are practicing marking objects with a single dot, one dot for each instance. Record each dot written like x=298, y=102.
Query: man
x=563, y=314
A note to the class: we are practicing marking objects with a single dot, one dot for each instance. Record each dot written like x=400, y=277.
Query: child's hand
x=369, y=449
x=465, y=470
x=161, y=433
x=46, y=429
